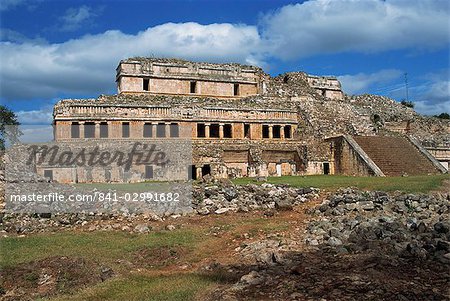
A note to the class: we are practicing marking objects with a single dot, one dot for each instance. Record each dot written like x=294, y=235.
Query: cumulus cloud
x=361, y=82
x=32, y=69
x=87, y=65
x=75, y=18
x=325, y=26
x=36, y=117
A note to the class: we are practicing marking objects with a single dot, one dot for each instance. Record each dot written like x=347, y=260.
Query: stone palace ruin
x=244, y=123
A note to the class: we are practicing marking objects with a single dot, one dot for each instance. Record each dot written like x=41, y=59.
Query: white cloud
x=36, y=133
x=87, y=65
x=31, y=69
x=36, y=117
x=434, y=97
x=83, y=66
x=74, y=18
x=426, y=108
x=325, y=26
x=361, y=82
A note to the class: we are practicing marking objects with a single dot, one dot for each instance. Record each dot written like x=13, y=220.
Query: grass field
x=201, y=240
x=117, y=250
x=420, y=184
x=411, y=184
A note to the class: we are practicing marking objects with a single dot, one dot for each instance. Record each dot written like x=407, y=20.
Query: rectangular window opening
x=125, y=129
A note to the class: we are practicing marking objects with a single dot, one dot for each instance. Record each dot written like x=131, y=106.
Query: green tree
x=8, y=132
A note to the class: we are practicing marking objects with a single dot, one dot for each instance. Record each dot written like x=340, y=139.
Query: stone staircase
x=396, y=156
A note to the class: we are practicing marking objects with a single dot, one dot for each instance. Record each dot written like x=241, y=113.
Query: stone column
x=206, y=131
x=198, y=172
x=167, y=129
x=154, y=126
x=81, y=129
x=221, y=130
x=97, y=130
x=282, y=132
x=270, y=131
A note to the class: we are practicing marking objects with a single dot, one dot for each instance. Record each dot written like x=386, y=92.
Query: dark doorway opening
x=148, y=130
x=89, y=130
x=48, y=173
x=146, y=84
x=161, y=130
x=246, y=130
x=236, y=89
x=125, y=130
x=104, y=130
x=214, y=131
x=287, y=132
x=193, y=87
x=201, y=130
x=192, y=172
x=326, y=168
x=265, y=131
x=149, y=172
x=206, y=170
x=174, y=130
x=227, y=131
x=75, y=130
x=276, y=131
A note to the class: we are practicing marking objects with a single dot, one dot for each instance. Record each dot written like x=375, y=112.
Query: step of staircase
x=395, y=156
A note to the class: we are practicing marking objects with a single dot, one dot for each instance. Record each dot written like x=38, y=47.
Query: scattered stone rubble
x=359, y=246
x=215, y=198
x=408, y=225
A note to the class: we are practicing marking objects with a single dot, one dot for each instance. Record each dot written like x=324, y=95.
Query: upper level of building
x=180, y=77
x=328, y=86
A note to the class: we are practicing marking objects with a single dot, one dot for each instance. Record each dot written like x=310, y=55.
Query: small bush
x=408, y=104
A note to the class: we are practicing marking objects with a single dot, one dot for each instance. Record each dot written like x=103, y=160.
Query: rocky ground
x=208, y=199
x=346, y=245
x=358, y=246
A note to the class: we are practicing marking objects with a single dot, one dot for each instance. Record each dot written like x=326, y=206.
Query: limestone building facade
x=241, y=121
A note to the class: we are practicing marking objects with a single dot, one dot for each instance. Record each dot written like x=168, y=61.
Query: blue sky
x=69, y=49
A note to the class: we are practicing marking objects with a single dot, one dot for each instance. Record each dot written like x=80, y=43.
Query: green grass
x=101, y=246
x=141, y=287
x=412, y=184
